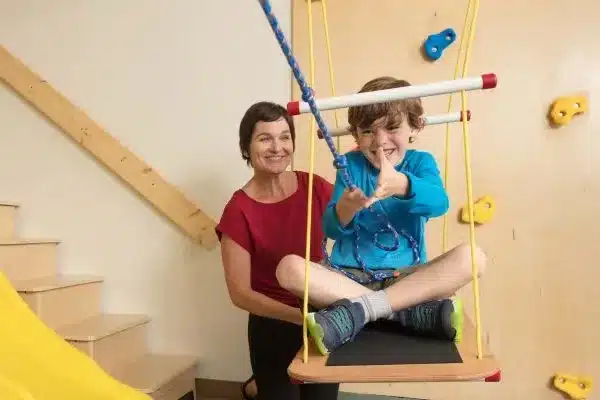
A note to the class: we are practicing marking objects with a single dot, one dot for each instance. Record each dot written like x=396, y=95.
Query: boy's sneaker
x=440, y=319
x=335, y=325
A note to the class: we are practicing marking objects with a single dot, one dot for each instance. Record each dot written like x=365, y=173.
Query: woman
x=264, y=221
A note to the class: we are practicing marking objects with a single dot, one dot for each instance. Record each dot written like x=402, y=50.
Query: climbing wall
x=539, y=299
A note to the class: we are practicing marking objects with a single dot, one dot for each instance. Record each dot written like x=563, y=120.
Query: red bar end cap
x=489, y=81
x=293, y=107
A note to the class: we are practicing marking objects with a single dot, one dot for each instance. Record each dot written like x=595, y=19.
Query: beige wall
x=148, y=72
x=542, y=243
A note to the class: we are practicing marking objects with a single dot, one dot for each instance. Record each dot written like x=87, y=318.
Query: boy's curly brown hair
x=393, y=112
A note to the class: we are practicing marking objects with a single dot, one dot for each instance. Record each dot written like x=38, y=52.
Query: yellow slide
x=37, y=364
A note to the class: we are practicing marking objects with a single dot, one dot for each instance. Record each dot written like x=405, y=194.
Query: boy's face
x=393, y=139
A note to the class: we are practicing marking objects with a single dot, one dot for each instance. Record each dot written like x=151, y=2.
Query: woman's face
x=271, y=147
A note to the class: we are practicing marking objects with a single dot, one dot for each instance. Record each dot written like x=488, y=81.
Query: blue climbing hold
x=437, y=43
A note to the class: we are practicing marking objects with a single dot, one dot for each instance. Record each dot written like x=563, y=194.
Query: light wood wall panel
x=539, y=299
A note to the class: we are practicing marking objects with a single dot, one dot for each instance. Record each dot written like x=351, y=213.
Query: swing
x=377, y=355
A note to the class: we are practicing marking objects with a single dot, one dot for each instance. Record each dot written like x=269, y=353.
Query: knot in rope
x=307, y=94
x=340, y=162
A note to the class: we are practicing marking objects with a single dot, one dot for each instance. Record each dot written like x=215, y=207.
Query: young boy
x=404, y=187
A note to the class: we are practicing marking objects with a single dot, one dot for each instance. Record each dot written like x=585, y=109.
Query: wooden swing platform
x=368, y=359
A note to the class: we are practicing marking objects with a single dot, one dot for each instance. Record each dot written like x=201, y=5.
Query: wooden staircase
x=71, y=306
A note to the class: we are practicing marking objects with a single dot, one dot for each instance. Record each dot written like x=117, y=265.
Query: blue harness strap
x=339, y=162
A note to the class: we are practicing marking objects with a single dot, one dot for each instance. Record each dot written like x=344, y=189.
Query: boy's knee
x=289, y=270
x=464, y=251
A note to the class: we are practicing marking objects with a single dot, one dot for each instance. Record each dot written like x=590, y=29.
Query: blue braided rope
x=307, y=94
x=339, y=160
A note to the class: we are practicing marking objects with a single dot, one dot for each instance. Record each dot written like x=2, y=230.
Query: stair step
x=110, y=339
x=53, y=282
x=23, y=242
x=164, y=377
x=100, y=326
x=22, y=259
x=61, y=300
x=8, y=215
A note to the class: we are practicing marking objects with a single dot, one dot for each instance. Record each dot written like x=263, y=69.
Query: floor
x=228, y=390
x=353, y=396
x=342, y=396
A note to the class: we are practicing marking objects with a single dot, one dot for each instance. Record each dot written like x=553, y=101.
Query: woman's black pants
x=273, y=345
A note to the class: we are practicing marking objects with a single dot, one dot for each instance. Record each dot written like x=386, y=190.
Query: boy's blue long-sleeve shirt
x=426, y=198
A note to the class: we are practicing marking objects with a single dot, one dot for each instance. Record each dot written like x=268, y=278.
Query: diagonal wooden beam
x=166, y=198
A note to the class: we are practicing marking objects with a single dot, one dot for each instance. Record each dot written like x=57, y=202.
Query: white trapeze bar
x=485, y=81
x=428, y=120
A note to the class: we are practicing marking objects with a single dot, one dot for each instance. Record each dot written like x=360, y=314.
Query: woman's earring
x=411, y=139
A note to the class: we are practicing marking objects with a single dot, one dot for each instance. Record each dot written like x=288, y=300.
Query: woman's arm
x=236, y=261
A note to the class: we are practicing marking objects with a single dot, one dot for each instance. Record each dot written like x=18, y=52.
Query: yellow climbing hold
x=565, y=108
x=483, y=210
x=577, y=387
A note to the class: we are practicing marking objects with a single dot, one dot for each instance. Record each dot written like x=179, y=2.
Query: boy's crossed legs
x=346, y=306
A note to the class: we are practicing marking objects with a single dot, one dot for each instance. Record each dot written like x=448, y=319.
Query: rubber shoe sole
x=458, y=319
x=316, y=332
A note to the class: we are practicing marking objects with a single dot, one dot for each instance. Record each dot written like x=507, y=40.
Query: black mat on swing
x=380, y=344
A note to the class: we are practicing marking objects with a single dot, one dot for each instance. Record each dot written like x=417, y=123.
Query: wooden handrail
x=166, y=198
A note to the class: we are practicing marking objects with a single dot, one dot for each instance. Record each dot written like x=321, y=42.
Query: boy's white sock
x=375, y=304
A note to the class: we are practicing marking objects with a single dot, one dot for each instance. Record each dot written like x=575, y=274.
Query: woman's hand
x=390, y=182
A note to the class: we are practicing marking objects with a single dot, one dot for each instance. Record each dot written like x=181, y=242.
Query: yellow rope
x=447, y=139
x=469, y=32
x=466, y=28
x=467, y=151
x=312, y=151
x=311, y=136
x=329, y=61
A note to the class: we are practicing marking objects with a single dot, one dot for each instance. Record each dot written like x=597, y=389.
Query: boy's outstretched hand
x=350, y=202
x=390, y=182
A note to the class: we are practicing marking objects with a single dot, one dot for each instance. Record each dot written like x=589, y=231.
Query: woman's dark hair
x=262, y=111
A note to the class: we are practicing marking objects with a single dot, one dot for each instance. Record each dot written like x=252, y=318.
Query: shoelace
x=341, y=319
x=425, y=316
